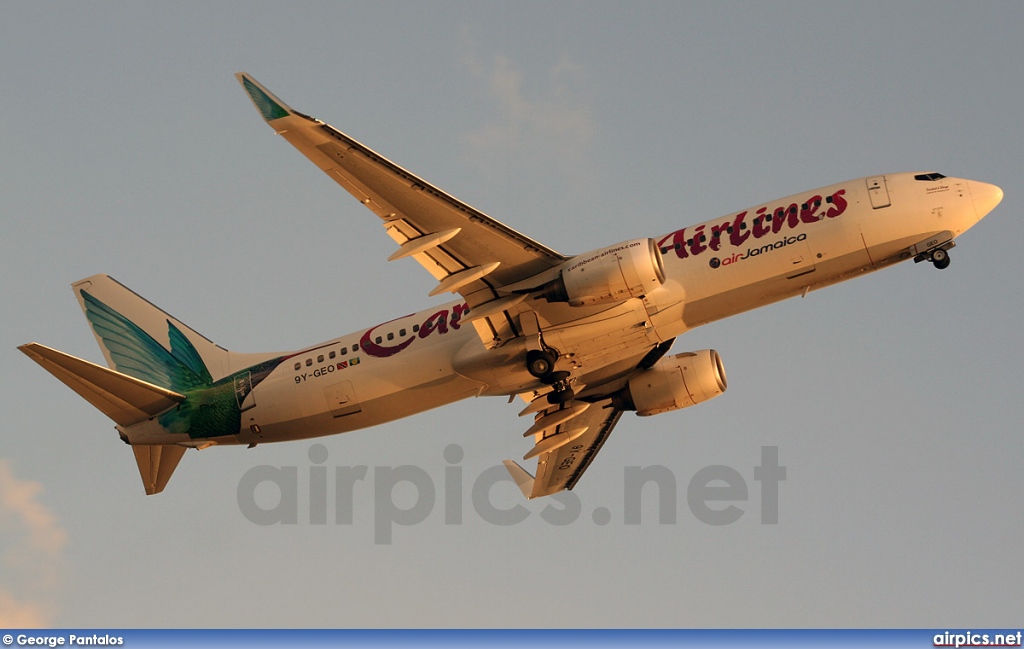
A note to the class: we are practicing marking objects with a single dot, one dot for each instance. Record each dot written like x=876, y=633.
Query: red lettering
x=737, y=236
x=697, y=243
x=759, y=229
x=382, y=351
x=457, y=312
x=430, y=325
x=808, y=210
x=764, y=223
x=838, y=204
x=782, y=215
x=678, y=243
x=716, y=235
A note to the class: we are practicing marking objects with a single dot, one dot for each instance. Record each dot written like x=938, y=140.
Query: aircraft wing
x=463, y=248
x=564, y=450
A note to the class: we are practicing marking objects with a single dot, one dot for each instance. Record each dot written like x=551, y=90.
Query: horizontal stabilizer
x=156, y=464
x=124, y=399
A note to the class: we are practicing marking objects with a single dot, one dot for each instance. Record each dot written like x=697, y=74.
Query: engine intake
x=676, y=382
x=612, y=274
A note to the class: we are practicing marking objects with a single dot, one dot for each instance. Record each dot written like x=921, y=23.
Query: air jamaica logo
x=715, y=262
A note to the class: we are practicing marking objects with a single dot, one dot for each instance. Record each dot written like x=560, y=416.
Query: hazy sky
x=127, y=147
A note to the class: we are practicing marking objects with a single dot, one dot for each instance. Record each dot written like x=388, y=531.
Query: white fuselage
x=713, y=270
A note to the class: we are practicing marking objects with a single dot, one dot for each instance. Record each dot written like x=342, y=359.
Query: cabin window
x=309, y=362
x=344, y=351
x=415, y=327
x=320, y=358
x=391, y=335
x=331, y=355
x=298, y=366
x=401, y=332
x=355, y=347
x=378, y=340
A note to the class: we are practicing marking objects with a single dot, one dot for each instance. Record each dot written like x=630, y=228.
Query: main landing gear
x=541, y=364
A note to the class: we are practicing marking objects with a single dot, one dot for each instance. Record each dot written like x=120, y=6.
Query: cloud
x=541, y=124
x=30, y=565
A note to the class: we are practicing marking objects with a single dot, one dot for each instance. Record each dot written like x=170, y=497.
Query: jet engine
x=612, y=274
x=676, y=382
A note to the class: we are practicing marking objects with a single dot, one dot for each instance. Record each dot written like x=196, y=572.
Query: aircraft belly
x=379, y=409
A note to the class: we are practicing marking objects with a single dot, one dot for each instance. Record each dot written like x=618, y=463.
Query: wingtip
x=521, y=476
x=270, y=107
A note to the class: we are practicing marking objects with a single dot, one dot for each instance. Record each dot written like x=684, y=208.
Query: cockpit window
x=931, y=176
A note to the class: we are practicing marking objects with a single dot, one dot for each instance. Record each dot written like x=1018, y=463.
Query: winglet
x=521, y=477
x=269, y=106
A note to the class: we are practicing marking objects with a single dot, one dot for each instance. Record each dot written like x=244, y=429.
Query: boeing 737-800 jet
x=581, y=339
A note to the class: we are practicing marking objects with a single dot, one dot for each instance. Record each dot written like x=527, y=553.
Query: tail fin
x=161, y=370
x=135, y=336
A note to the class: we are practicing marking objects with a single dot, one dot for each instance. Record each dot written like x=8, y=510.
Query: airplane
x=580, y=339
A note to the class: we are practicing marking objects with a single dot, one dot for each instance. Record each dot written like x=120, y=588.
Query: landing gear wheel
x=540, y=363
x=940, y=258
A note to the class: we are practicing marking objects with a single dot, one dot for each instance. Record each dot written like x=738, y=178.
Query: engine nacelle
x=676, y=382
x=612, y=274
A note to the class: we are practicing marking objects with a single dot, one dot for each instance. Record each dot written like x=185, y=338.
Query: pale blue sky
x=894, y=400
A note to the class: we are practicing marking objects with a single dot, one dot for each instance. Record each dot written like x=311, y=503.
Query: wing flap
x=566, y=452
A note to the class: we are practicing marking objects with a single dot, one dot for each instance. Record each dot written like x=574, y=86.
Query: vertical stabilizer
x=156, y=464
x=141, y=340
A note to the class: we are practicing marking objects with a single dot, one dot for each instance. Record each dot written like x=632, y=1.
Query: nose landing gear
x=936, y=250
x=940, y=258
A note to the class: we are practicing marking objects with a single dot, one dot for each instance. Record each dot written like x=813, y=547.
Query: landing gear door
x=879, y=192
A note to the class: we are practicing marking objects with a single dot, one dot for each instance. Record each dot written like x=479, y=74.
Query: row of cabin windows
x=330, y=356
x=344, y=350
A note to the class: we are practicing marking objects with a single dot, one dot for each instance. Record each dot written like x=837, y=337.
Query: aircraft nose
x=984, y=196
